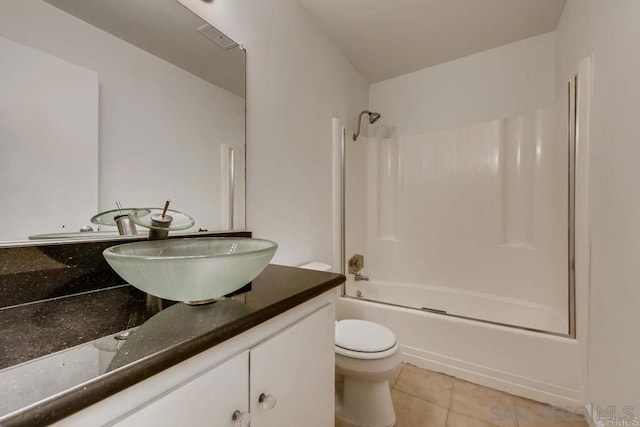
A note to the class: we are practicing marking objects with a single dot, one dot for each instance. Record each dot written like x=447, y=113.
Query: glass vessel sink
x=193, y=270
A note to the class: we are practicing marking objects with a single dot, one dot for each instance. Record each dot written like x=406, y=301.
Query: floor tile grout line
x=446, y=421
x=419, y=398
x=398, y=376
x=515, y=409
x=474, y=418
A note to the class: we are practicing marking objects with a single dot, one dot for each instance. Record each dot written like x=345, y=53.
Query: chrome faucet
x=360, y=277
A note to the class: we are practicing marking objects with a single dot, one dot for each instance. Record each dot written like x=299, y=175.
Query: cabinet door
x=295, y=368
x=209, y=399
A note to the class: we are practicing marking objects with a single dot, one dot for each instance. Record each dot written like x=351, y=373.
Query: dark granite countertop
x=72, y=344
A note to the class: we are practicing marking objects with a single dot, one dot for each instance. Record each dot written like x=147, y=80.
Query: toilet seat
x=361, y=339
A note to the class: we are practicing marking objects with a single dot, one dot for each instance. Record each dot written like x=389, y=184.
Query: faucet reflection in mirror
x=159, y=221
x=117, y=217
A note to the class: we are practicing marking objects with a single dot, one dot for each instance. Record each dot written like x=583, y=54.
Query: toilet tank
x=315, y=265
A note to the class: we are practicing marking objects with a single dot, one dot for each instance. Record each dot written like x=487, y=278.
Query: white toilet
x=366, y=357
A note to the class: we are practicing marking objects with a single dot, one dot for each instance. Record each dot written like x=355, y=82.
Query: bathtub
x=544, y=367
x=462, y=303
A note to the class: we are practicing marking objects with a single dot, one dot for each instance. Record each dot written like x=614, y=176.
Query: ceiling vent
x=217, y=37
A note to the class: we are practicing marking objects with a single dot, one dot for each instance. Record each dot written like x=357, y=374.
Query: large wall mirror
x=105, y=101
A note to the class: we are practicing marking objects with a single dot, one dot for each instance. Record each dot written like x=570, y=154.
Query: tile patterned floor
x=424, y=398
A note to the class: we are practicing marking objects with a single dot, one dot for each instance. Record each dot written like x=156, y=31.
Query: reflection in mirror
x=135, y=102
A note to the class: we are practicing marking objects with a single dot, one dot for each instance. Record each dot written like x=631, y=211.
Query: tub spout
x=360, y=277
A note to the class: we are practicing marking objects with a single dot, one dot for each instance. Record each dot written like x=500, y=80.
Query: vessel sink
x=193, y=270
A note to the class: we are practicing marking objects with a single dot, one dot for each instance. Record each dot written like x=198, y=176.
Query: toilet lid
x=363, y=336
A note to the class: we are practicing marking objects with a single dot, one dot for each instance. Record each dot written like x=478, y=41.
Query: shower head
x=373, y=117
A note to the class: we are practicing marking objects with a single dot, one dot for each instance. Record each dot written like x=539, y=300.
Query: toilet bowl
x=366, y=357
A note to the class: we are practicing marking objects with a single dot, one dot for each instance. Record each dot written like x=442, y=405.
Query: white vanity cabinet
x=281, y=372
x=294, y=373
x=209, y=399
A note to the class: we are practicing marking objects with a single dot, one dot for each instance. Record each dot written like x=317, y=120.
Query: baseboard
x=493, y=378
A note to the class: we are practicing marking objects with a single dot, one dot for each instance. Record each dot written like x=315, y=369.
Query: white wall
x=50, y=166
x=297, y=80
x=507, y=81
x=160, y=126
x=610, y=31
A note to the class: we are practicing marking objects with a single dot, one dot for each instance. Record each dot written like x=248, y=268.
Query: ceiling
x=168, y=30
x=388, y=38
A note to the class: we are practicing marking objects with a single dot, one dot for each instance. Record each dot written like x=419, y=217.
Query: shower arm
x=357, y=134
x=373, y=117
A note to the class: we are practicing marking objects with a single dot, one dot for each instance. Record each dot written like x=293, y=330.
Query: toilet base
x=365, y=403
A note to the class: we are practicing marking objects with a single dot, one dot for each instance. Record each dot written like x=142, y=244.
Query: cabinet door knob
x=268, y=401
x=242, y=419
